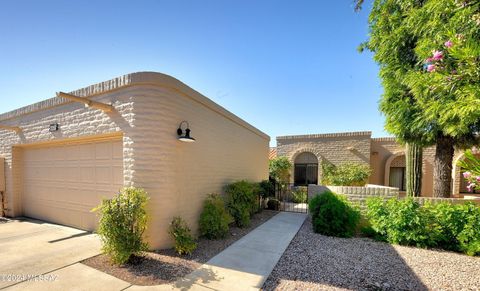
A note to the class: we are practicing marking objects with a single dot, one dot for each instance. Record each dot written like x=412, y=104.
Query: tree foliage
x=429, y=57
x=280, y=170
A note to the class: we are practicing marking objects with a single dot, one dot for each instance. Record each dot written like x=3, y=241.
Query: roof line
x=320, y=135
x=129, y=80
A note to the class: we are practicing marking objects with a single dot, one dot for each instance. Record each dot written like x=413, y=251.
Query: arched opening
x=459, y=182
x=305, y=169
x=395, y=172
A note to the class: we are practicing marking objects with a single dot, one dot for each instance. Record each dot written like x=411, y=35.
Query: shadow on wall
x=313, y=261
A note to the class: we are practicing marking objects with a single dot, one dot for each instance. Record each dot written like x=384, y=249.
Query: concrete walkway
x=244, y=265
x=247, y=263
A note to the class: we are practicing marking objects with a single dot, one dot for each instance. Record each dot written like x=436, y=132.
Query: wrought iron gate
x=292, y=198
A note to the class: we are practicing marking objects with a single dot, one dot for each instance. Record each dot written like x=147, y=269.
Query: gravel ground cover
x=165, y=266
x=317, y=262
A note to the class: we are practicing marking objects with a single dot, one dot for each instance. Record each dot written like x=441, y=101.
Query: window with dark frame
x=305, y=174
x=397, y=178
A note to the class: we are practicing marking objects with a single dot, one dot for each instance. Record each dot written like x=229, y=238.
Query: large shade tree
x=429, y=57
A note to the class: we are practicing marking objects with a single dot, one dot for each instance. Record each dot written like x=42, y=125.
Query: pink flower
x=467, y=175
x=478, y=178
x=448, y=43
x=470, y=187
x=431, y=68
x=437, y=55
x=429, y=60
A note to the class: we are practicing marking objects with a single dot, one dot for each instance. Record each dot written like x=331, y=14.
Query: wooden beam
x=87, y=102
x=12, y=128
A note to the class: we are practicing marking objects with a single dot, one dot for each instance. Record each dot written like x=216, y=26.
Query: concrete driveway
x=31, y=248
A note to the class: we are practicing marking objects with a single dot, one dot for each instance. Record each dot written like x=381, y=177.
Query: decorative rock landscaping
x=316, y=262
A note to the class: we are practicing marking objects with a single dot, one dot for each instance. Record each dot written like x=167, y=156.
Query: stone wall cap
x=129, y=80
x=386, y=138
x=323, y=135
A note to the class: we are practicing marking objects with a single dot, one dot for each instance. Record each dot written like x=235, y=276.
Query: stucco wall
x=148, y=110
x=336, y=148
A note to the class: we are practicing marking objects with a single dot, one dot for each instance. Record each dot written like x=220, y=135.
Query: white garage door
x=62, y=184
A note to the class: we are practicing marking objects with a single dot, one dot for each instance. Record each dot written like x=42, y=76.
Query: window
x=305, y=169
x=397, y=178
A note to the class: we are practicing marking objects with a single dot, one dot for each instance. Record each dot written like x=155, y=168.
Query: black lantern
x=184, y=135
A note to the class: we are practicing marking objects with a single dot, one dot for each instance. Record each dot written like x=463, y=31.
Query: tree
x=279, y=169
x=428, y=53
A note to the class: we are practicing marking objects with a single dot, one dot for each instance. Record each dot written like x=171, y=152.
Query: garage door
x=62, y=184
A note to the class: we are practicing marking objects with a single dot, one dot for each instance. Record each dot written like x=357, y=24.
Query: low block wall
x=422, y=200
x=360, y=194
x=355, y=194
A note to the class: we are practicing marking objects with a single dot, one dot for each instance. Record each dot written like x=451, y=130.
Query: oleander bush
x=180, y=232
x=241, y=201
x=123, y=220
x=441, y=225
x=333, y=215
x=214, y=220
x=300, y=195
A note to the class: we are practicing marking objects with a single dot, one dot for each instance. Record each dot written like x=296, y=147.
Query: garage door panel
x=63, y=183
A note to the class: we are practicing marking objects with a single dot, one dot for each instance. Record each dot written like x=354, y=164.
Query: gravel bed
x=166, y=266
x=317, y=262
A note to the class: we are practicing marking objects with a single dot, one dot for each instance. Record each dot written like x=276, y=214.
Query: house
x=63, y=155
x=385, y=157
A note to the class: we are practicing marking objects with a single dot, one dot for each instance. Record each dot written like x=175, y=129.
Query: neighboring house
x=62, y=157
x=385, y=157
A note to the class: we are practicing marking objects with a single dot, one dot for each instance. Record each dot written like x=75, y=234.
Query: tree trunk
x=442, y=171
x=414, y=169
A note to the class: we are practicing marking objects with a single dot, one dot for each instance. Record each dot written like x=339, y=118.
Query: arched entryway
x=305, y=169
x=459, y=182
x=395, y=171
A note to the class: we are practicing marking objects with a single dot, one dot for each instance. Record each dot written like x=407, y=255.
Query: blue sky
x=287, y=67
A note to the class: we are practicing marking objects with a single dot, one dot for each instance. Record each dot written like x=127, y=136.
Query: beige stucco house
x=61, y=156
x=385, y=157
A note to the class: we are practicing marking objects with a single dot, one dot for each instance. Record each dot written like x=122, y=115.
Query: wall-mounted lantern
x=184, y=135
x=53, y=127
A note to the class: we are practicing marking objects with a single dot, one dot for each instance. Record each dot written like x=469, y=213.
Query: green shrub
x=123, y=220
x=267, y=189
x=402, y=222
x=333, y=215
x=273, y=204
x=214, y=220
x=180, y=232
x=241, y=202
x=348, y=174
x=443, y=225
x=459, y=226
x=300, y=195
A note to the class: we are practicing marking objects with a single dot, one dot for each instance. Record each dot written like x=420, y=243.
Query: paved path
x=244, y=265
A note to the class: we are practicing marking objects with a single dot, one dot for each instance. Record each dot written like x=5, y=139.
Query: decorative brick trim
x=384, y=138
x=322, y=135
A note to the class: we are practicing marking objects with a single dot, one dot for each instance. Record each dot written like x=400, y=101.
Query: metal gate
x=292, y=198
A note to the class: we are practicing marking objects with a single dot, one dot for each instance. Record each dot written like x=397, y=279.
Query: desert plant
x=347, y=174
x=123, y=220
x=180, y=232
x=333, y=215
x=214, y=220
x=413, y=158
x=266, y=189
x=241, y=202
x=299, y=195
x=273, y=204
